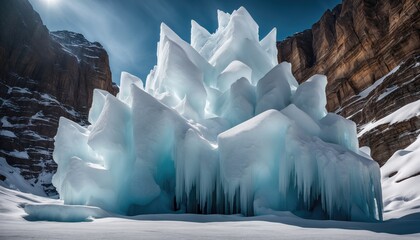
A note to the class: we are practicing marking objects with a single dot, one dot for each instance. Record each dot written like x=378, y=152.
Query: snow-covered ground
x=401, y=182
x=401, y=213
x=321, y=164
x=15, y=224
x=401, y=216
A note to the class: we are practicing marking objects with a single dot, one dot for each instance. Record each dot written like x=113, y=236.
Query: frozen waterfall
x=218, y=127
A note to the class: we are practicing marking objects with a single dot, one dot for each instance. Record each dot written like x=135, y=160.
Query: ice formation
x=219, y=127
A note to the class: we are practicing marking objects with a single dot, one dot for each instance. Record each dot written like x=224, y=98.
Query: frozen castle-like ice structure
x=219, y=127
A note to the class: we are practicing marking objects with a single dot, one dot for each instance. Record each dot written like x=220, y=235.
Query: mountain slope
x=355, y=45
x=43, y=76
x=399, y=175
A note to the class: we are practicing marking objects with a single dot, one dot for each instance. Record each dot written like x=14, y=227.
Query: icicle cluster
x=220, y=127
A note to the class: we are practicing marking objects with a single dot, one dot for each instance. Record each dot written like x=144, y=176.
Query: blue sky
x=129, y=29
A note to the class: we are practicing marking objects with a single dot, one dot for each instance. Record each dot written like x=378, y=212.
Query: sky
x=129, y=29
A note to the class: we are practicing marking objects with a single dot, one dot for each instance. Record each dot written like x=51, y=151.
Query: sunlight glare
x=51, y=2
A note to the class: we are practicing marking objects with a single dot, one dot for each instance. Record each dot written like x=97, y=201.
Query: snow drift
x=400, y=181
x=219, y=127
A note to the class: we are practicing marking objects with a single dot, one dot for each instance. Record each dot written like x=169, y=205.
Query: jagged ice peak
x=219, y=127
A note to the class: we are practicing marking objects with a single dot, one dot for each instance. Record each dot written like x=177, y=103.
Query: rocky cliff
x=43, y=75
x=359, y=45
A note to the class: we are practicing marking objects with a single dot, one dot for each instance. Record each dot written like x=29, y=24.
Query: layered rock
x=354, y=45
x=43, y=76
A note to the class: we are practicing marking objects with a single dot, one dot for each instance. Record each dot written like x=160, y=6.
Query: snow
x=7, y=133
x=35, y=135
x=16, y=154
x=18, y=90
x=387, y=92
x=15, y=223
x=39, y=150
x=15, y=181
x=400, y=181
x=49, y=98
x=39, y=116
x=219, y=128
x=71, y=111
x=5, y=123
x=67, y=50
x=402, y=114
x=90, y=56
x=8, y=104
x=378, y=82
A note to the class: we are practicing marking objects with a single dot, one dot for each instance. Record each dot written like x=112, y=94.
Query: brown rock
x=43, y=76
x=354, y=45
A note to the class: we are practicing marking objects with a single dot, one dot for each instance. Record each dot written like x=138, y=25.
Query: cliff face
x=355, y=45
x=43, y=76
x=68, y=65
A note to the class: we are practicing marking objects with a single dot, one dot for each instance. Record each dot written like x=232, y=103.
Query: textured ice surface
x=63, y=213
x=220, y=127
x=274, y=90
